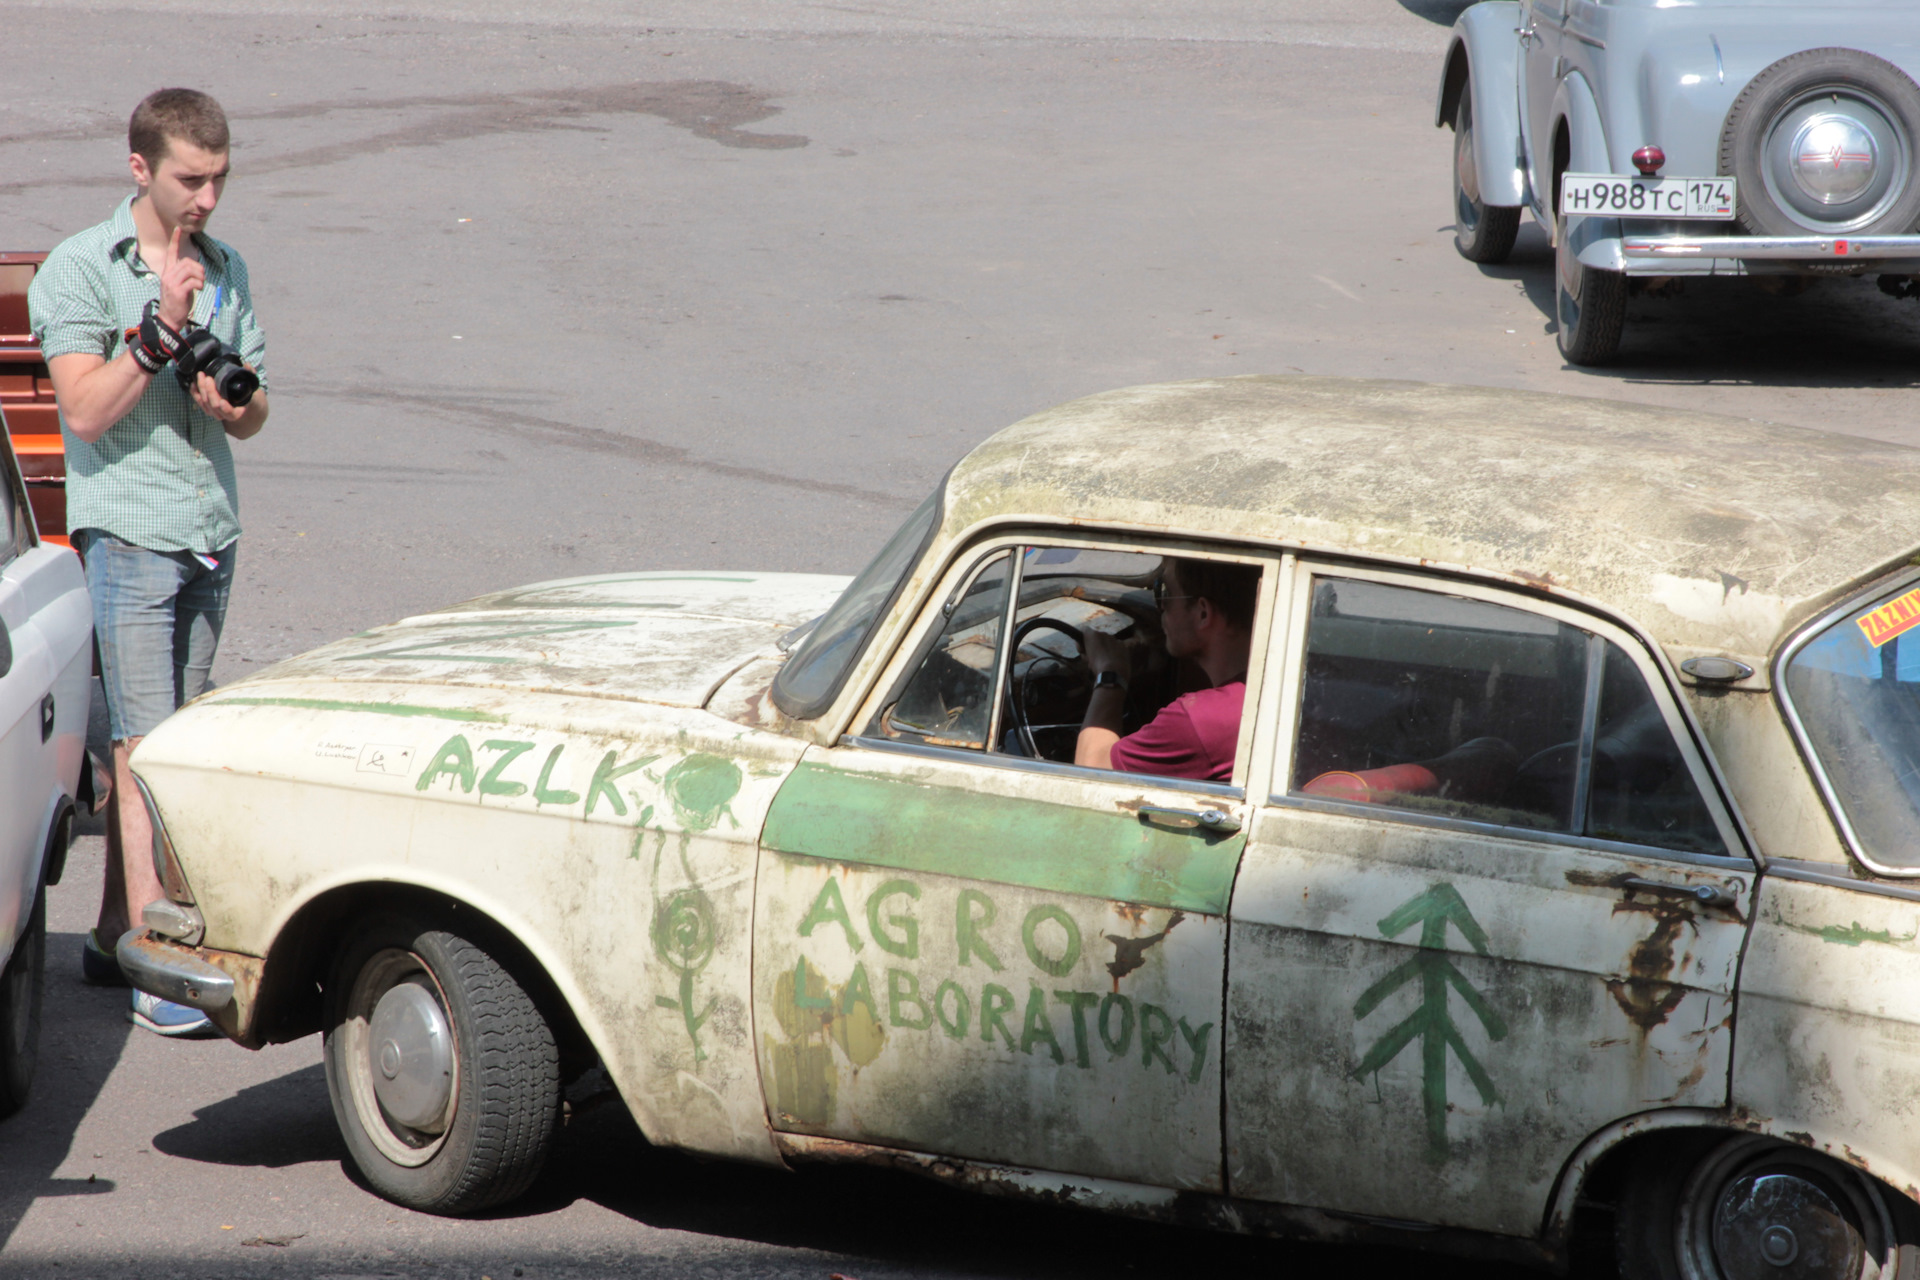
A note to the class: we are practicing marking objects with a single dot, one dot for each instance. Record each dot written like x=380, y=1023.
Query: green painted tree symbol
x=1432, y=1023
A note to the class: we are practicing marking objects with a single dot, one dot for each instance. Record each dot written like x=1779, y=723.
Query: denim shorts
x=157, y=618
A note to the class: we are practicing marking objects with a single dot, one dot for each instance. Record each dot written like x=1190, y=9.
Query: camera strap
x=159, y=341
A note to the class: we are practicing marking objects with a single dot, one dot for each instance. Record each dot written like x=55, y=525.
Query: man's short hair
x=1233, y=589
x=187, y=114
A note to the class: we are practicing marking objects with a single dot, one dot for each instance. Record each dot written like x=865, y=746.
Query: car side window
x=1011, y=677
x=1433, y=703
x=949, y=700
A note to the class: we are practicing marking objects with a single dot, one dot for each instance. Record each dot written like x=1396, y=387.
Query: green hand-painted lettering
x=490, y=784
x=956, y=1026
x=541, y=795
x=1038, y=1026
x=859, y=991
x=1116, y=1042
x=803, y=998
x=455, y=760
x=907, y=945
x=1054, y=966
x=996, y=1002
x=967, y=927
x=1196, y=1045
x=605, y=775
x=829, y=908
x=1079, y=1002
x=1156, y=1033
x=1432, y=1023
x=903, y=988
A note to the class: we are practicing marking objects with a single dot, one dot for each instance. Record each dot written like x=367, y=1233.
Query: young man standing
x=151, y=497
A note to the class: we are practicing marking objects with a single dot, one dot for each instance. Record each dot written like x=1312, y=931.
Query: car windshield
x=1856, y=691
x=817, y=669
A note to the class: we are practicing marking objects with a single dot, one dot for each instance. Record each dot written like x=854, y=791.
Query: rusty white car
x=1564, y=888
x=46, y=656
x=1659, y=140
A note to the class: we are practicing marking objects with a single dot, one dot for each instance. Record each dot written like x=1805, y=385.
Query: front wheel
x=1481, y=232
x=22, y=988
x=444, y=1075
x=1590, y=304
x=1752, y=1208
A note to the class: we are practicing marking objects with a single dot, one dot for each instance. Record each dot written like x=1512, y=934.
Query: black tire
x=500, y=1073
x=1712, y=1208
x=22, y=992
x=1481, y=232
x=1802, y=105
x=1589, y=305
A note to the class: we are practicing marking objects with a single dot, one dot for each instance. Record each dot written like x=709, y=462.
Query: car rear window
x=1855, y=690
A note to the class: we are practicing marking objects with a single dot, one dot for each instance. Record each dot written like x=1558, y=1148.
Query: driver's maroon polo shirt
x=1194, y=736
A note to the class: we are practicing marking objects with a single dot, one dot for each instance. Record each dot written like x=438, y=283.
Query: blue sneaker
x=165, y=1018
x=98, y=967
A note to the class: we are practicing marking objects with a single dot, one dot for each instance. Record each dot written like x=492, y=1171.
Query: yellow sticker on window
x=1895, y=617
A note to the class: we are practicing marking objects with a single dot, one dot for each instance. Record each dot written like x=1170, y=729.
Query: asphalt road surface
x=729, y=285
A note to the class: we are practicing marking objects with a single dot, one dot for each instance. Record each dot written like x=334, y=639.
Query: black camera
x=201, y=352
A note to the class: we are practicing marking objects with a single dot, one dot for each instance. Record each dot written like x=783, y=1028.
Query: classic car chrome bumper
x=170, y=971
x=1792, y=248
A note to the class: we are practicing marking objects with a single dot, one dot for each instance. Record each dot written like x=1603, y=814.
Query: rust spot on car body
x=1648, y=995
x=1130, y=953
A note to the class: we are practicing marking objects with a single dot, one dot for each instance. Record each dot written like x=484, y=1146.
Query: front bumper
x=173, y=972
x=1897, y=254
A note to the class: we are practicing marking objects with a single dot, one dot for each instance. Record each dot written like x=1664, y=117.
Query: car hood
x=668, y=638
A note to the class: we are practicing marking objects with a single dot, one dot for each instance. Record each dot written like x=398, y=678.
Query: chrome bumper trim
x=1836, y=248
x=171, y=972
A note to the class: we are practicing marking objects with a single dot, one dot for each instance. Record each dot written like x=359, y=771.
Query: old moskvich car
x=1562, y=878
x=1663, y=139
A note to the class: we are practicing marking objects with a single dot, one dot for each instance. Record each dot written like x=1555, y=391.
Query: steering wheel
x=1017, y=693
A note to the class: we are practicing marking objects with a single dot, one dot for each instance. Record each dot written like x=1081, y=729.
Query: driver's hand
x=1105, y=653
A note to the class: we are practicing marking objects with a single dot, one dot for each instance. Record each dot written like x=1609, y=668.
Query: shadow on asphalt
x=282, y=1122
x=1841, y=333
x=1441, y=11
x=893, y=1219
x=81, y=1036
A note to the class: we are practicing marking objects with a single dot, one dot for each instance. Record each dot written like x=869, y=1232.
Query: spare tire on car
x=1823, y=142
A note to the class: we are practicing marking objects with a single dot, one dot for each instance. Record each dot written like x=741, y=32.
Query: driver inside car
x=1206, y=610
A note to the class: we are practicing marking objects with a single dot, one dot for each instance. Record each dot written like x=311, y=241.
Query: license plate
x=1616, y=196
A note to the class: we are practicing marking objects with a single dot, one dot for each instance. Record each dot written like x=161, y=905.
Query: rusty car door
x=975, y=953
x=1494, y=903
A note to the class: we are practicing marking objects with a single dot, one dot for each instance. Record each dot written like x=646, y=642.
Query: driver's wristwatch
x=1110, y=678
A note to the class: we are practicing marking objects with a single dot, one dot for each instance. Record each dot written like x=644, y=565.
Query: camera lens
x=234, y=381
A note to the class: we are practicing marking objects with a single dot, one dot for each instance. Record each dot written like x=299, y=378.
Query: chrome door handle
x=1216, y=820
x=1707, y=895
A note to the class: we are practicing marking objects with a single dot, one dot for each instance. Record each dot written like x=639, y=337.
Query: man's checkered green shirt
x=161, y=477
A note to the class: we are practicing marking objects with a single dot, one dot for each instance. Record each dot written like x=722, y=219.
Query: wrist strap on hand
x=160, y=339
x=150, y=361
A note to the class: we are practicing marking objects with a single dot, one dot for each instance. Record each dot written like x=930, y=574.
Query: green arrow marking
x=1432, y=1023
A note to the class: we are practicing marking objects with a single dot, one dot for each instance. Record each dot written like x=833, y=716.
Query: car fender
x=1484, y=59
x=1558, y=1224
x=1595, y=241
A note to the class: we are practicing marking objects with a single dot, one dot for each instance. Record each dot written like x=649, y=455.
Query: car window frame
x=1889, y=585
x=26, y=533
x=964, y=564
x=1742, y=852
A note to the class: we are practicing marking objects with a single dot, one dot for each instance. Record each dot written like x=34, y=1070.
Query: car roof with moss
x=1711, y=533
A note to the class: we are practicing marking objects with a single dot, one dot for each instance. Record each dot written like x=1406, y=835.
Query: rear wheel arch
x=1595, y=1193
x=1453, y=82
x=291, y=1005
